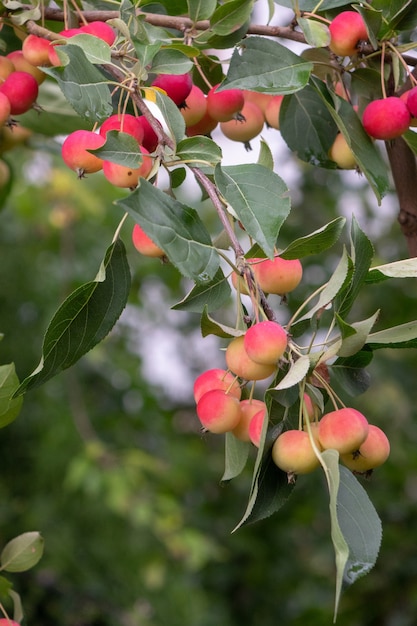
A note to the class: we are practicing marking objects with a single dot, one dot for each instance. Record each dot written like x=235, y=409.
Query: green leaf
x=22, y=552
x=83, y=85
x=201, y=9
x=265, y=155
x=231, y=16
x=5, y=587
x=310, y=5
x=171, y=61
x=315, y=242
x=199, y=150
x=362, y=252
x=172, y=116
x=296, y=373
x=236, y=456
x=9, y=407
x=351, y=374
x=210, y=296
x=402, y=336
x=120, y=148
x=316, y=33
x=259, y=198
x=367, y=155
x=356, y=341
x=406, y=268
x=175, y=228
x=209, y=326
x=307, y=127
x=84, y=319
x=266, y=66
x=97, y=51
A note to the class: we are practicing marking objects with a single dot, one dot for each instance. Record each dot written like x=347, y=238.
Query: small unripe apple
x=124, y=123
x=341, y=153
x=293, y=453
x=256, y=425
x=216, y=378
x=127, y=177
x=218, y=411
x=265, y=342
x=346, y=30
x=36, y=50
x=223, y=106
x=144, y=244
x=247, y=127
x=21, y=89
x=242, y=365
x=75, y=152
x=248, y=408
x=343, y=430
x=279, y=276
x=386, y=118
x=272, y=111
x=372, y=453
x=195, y=106
x=176, y=86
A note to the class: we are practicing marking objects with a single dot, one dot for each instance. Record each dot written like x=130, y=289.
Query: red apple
x=218, y=411
x=176, y=86
x=246, y=128
x=75, y=152
x=265, y=342
x=127, y=177
x=343, y=430
x=242, y=365
x=21, y=89
x=386, y=118
x=144, y=244
x=293, y=453
x=223, y=106
x=216, y=378
x=346, y=30
x=248, y=408
x=372, y=453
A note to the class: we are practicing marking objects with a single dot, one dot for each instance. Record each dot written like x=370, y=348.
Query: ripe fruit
x=223, y=106
x=293, y=453
x=195, y=106
x=242, y=365
x=247, y=128
x=265, y=342
x=75, y=155
x=272, y=111
x=4, y=108
x=248, y=408
x=22, y=65
x=203, y=127
x=21, y=89
x=386, y=118
x=125, y=123
x=100, y=29
x=4, y=621
x=341, y=153
x=176, y=86
x=373, y=452
x=150, y=139
x=127, y=177
x=411, y=101
x=36, y=50
x=12, y=136
x=144, y=244
x=218, y=411
x=343, y=430
x=255, y=427
x=216, y=378
x=279, y=276
x=260, y=99
x=309, y=408
x=346, y=30
x=6, y=67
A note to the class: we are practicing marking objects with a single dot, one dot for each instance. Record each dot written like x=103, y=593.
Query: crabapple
x=278, y=276
x=314, y=429
x=218, y=411
x=242, y=365
x=203, y=127
x=223, y=106
x=272, y=111
x=216, y=378
x=346, y=30
x=144, y=244
x=255, y=427
x=309, y=408
x=127, y=177
x=293, y=453
x=386, y=118
x=125, y=123
x=343, y=430
x=195, y=106
x=12, y=136
x=246, y=127
x=248, y=408
x=265, y=342
x=260, y=99
x=372, y=453
x=150, y=138
x=36, y=50
x=6, y=67
x=21, y=89
x=5, y=621
x=176, y=86
x=101, y=30
x=22, y=65
x=75, y=152
x=4, y=108
x=411, y=101
x=341, y=153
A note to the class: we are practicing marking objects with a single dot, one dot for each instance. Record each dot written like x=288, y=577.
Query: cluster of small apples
x=362, y=446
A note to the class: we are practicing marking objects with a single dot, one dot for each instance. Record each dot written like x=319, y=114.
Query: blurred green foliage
x=107, y=460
